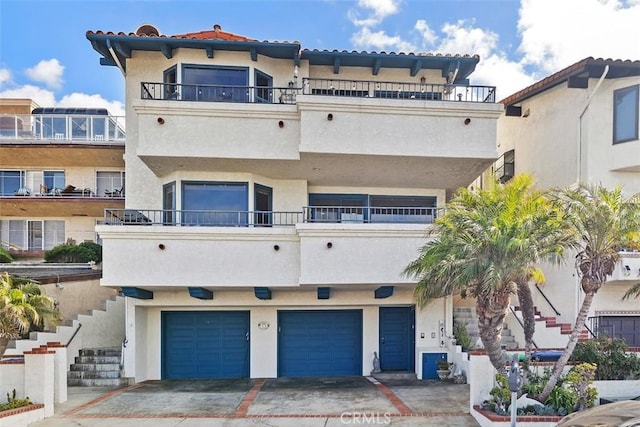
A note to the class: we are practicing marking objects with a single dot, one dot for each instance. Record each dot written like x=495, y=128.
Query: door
x=263, y=205
x=205, y=344
x=319, y=343
x=623, y=327
x=397, y=339
x=34, y=234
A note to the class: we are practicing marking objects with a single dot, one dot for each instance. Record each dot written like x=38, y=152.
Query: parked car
x=624, y=413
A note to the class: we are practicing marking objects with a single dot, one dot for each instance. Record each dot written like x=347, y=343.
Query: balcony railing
x=398, y=90
x=62, y=128
x=309, y=214
x=219, y=93
x=325, y=87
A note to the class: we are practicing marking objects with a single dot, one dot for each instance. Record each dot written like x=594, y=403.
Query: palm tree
x=602, y=219
x=23, y=307
x=487, y=245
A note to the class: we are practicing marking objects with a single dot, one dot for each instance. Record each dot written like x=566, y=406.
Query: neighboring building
x=274, y=196
x=579, y=125
x=58, y=171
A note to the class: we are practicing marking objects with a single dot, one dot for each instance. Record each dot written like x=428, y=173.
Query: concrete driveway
x=324, y=401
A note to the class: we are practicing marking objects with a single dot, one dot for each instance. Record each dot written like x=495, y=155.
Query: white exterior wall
x=548, y=144
x=146, y=347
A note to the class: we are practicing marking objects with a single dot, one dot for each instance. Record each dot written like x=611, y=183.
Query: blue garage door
x=319, y=342
x=205, y=344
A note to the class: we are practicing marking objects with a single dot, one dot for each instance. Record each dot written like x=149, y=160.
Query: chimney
x=217, y=28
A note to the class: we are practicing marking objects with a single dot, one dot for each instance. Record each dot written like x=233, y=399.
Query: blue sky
x=44, y=54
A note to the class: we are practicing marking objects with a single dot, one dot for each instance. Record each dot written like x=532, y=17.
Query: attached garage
x=205, y=344
x=319, y=343
x=624, y=327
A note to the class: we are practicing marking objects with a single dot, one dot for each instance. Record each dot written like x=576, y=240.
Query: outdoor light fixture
x=627, y=270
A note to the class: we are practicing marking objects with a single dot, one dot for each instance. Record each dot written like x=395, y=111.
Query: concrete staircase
x=96, y=367
x=467, y=316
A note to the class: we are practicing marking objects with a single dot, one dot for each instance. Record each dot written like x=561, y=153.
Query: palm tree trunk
x=566, y=354
x=528, y=317
x=491, y=313
x=3, y=345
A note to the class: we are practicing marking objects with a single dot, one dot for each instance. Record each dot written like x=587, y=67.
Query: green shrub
x=13, y=403
x=95, y=248
x=5, y=256
x=69, y=253
x=500, y=395
x=463, y=339
x=578, y=381
x=610, y=355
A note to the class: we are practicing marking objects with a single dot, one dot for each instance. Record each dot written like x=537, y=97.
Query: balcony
x=316, y=246
x=324, y=87
x=627, y=271
x=62, y=129
x=421, y=135
x=309, y=214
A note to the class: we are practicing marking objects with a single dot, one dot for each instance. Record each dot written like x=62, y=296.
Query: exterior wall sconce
x=329, y=245
x=467, y=121
x=329, y=116
x=423, y=80
x=281, y=124
x=160, y=120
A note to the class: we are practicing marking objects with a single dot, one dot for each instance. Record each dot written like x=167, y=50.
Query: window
x=206, y=83
x=32, y=235
x=108, y=182
x=264, y=90
x=371, y=208
x=169, y=203
x=625, y=114
x=11, y=182
x=53, y=179
x=170, y=79
x=215, y=203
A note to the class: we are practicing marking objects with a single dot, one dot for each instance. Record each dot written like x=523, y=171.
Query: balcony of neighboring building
x=627, y=271
x=60, y=192
x=321, y=129
x=317, y=245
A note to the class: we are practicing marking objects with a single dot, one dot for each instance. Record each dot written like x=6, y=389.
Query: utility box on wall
x=429, y=366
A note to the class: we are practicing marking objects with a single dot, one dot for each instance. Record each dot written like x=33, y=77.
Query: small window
x=625, y=114
x=11, y=182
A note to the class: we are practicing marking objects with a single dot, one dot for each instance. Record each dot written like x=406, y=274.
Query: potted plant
x=444, y=369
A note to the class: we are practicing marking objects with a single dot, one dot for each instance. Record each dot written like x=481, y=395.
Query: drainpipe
x=584, y=110
x=115, y=57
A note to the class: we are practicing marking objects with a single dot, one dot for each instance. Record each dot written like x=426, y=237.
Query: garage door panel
x=320, y=342
x=205, y=344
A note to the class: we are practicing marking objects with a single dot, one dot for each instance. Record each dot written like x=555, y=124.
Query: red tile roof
x=149, y=31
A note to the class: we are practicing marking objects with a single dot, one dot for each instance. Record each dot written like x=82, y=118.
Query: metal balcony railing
x=62, y=128
x=326, y=87
x=398, y=90
x=309, y=214
x=219, y=93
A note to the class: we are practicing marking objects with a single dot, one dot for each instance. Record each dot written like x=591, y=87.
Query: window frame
x=243, y=218
x=215, y=90
x=634, y=90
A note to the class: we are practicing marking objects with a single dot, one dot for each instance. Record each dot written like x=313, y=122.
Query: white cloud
x=48, y=72
x=43, y=97
x=379, y=40
x=429, y=37
x=378, y=11
x=5, y=76
x=464, y=39
x=83, y=100
x=557, y=34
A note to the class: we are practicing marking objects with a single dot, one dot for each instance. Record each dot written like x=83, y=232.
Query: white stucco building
x=579, y=125
x=274, y=196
